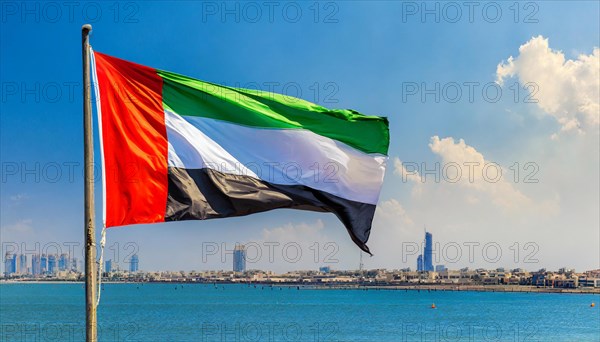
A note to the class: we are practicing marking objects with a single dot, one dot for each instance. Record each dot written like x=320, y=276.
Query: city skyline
x=51, y=264
x=428, y=256
x=540, y=127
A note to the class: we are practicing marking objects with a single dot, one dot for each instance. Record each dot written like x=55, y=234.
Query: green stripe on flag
x=190, y=97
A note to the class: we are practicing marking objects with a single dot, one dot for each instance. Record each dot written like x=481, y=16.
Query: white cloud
x=300, y=233
x=568, y=89
x=391, y=211
x=22, y=226
x=18, y=198
x=477, y=174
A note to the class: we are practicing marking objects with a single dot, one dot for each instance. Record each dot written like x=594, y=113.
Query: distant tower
x=134, y=263
x=239, y=258
x=108, y=266
x=63, y=262
x=23, y=263
x=44, y=264
x=36, y=265
x=73, y=265
x=361, y=265
x=428, y=253
x=9, y=262
x=420, y=263
x=52, y=263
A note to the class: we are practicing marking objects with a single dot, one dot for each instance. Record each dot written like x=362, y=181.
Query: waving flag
x=177, y=148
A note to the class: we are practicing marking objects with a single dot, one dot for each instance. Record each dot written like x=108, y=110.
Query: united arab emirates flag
x=177, y=148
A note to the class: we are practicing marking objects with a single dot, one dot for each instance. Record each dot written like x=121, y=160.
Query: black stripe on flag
x=200, y=194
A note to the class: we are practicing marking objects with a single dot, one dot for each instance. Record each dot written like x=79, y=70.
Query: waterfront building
x=44, y=264
x=325, y=269
x=36, y=265
x=10, y=264
x=420, y=263
x=108, y=266
x=52, y=267
x=134, y=263
x=74, y=265
x=63, y=262
x=23, y=264
x=440, y=268
x=239, y=258
x=428, y=253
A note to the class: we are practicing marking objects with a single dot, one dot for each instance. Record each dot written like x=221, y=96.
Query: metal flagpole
x=90, y=234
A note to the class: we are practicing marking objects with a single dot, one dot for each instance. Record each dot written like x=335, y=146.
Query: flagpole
x=90, y=234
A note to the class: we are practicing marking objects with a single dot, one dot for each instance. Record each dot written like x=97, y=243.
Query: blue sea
x=199, y=312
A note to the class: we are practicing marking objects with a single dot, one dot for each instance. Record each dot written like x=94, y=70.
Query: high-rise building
x=239, y=258
x=108, y=266
x=14, y=267
x=23, y=264
x=52, y=264
x=10, y=264
x=63, y=262
x=44, y=264
x=428, y=253
x=36, y=265
x=134, y=263
x=74, y=265
x=325, y=269
x=420, y=263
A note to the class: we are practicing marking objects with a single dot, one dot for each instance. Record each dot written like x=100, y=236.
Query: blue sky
x=360, y=55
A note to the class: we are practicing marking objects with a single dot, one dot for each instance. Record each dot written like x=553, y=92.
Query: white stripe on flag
x=279, y=156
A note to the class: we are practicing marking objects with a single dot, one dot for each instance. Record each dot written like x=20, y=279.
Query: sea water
x=208, y=312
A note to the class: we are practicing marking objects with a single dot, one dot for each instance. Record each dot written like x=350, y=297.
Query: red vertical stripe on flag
x=135, y=141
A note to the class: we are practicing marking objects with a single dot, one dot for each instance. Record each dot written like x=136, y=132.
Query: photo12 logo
x=452, y=12
x=453, y=172
x=470, y=91
x=270, y=12
x=67, y=331
x=254, y=331
x=291, y=252
x=471, y=252
x=29, y=12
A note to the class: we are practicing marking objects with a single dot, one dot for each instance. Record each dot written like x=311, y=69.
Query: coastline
x=360, y=287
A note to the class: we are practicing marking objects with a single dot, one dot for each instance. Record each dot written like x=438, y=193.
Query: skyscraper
x=239, y=258
x=14, y=265
x=36, y=265
x=44, y=264
x=420, y=263
x=428, y=253
x=63, y=262
x=134, y=263
x=52, y=264
x=74, y=265
x=23, y=264
x=108, y=266
x=9, y=264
